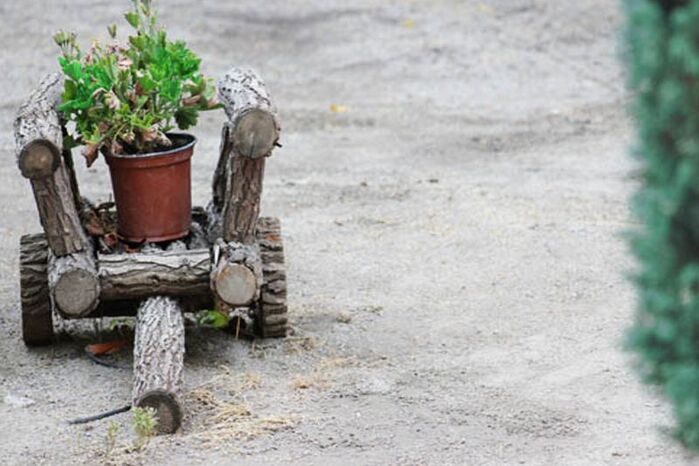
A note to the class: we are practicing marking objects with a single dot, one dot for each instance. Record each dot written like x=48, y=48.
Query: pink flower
x=124, y=63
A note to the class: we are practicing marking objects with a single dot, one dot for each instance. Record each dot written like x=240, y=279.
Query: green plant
x=112, y=432
x=144, y=422
x=213, y=319
x=663, y=56
x=124, y=99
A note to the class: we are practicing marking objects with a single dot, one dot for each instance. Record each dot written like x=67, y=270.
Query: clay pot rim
x=192, y=142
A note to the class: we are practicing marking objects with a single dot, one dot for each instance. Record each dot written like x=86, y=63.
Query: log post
x=248, y=137
x=246, y=140
x=73, y=179
x=39, y=141
x=38, y=130
x=159, y=361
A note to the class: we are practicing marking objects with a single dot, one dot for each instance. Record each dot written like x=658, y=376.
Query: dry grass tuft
x=234, y=384
x=336, y=362
x=224, y=420
x=249, y=381
x=230, y=411
x=315, y=380
x=301, y=344
x=246, y=428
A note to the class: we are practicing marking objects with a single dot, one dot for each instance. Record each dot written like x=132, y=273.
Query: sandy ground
x=454, y=243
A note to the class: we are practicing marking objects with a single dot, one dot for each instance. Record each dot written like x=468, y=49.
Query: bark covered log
x=37, y=327
x=255, y=126
x=38, y=130
x=272, y=310
x=159, y=361
x=37, y=321
x=73, y=179
x=73, y=283
x=58, y=214
x=237, y=275
x=248, y=137
x=220, y=180
x=141, y=275
x=242, y=209
x=39, y=142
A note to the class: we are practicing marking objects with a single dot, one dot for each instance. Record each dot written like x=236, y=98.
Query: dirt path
x=456, y=264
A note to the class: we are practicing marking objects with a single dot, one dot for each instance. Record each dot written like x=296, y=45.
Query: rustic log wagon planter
x=232, y=259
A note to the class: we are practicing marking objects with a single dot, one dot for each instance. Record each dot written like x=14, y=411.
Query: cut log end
x=39, y=159
x=77, y=292
x=168, y=411
x=236, y=285
x=255, y=134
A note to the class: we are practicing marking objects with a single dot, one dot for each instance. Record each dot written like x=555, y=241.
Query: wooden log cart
x=233, y=259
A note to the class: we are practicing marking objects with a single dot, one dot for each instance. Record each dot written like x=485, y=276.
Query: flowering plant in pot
x=124, y=102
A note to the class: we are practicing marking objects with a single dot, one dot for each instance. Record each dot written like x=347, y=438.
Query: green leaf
x=73, y=69
x=213, y=319
x=132, y=19
x=186, y=117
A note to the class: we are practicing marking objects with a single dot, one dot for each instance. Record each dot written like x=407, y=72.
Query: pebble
x=17, y=401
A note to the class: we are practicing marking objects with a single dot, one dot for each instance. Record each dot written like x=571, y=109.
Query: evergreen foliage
x=662, y=40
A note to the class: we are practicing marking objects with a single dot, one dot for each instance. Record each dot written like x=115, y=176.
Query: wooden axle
x=78, y=290
x=142, y=275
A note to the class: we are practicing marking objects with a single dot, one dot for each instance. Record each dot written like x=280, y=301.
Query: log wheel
x=37, y=322
x=272, y=311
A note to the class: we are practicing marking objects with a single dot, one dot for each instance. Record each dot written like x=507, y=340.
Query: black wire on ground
x=101, y=361
x=97, y=417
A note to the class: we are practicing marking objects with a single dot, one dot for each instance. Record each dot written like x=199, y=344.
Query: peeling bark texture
x=272, y=311
x=39, y=143
x=159, y=361
x=38, y=130
x=254, y=122
x=37, y=322
x=141, y=275
x=73, y=179
x=36, y=304
x=247, y=138
x=244, y=194
x=197, y=237
x=237, y=275
x=220, y=181
x=58, y=214
x=73, y=283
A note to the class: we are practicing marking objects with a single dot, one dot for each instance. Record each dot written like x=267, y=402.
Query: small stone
x=18, y=401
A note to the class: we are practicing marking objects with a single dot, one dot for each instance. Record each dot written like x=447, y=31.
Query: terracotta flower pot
x=153, y=192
